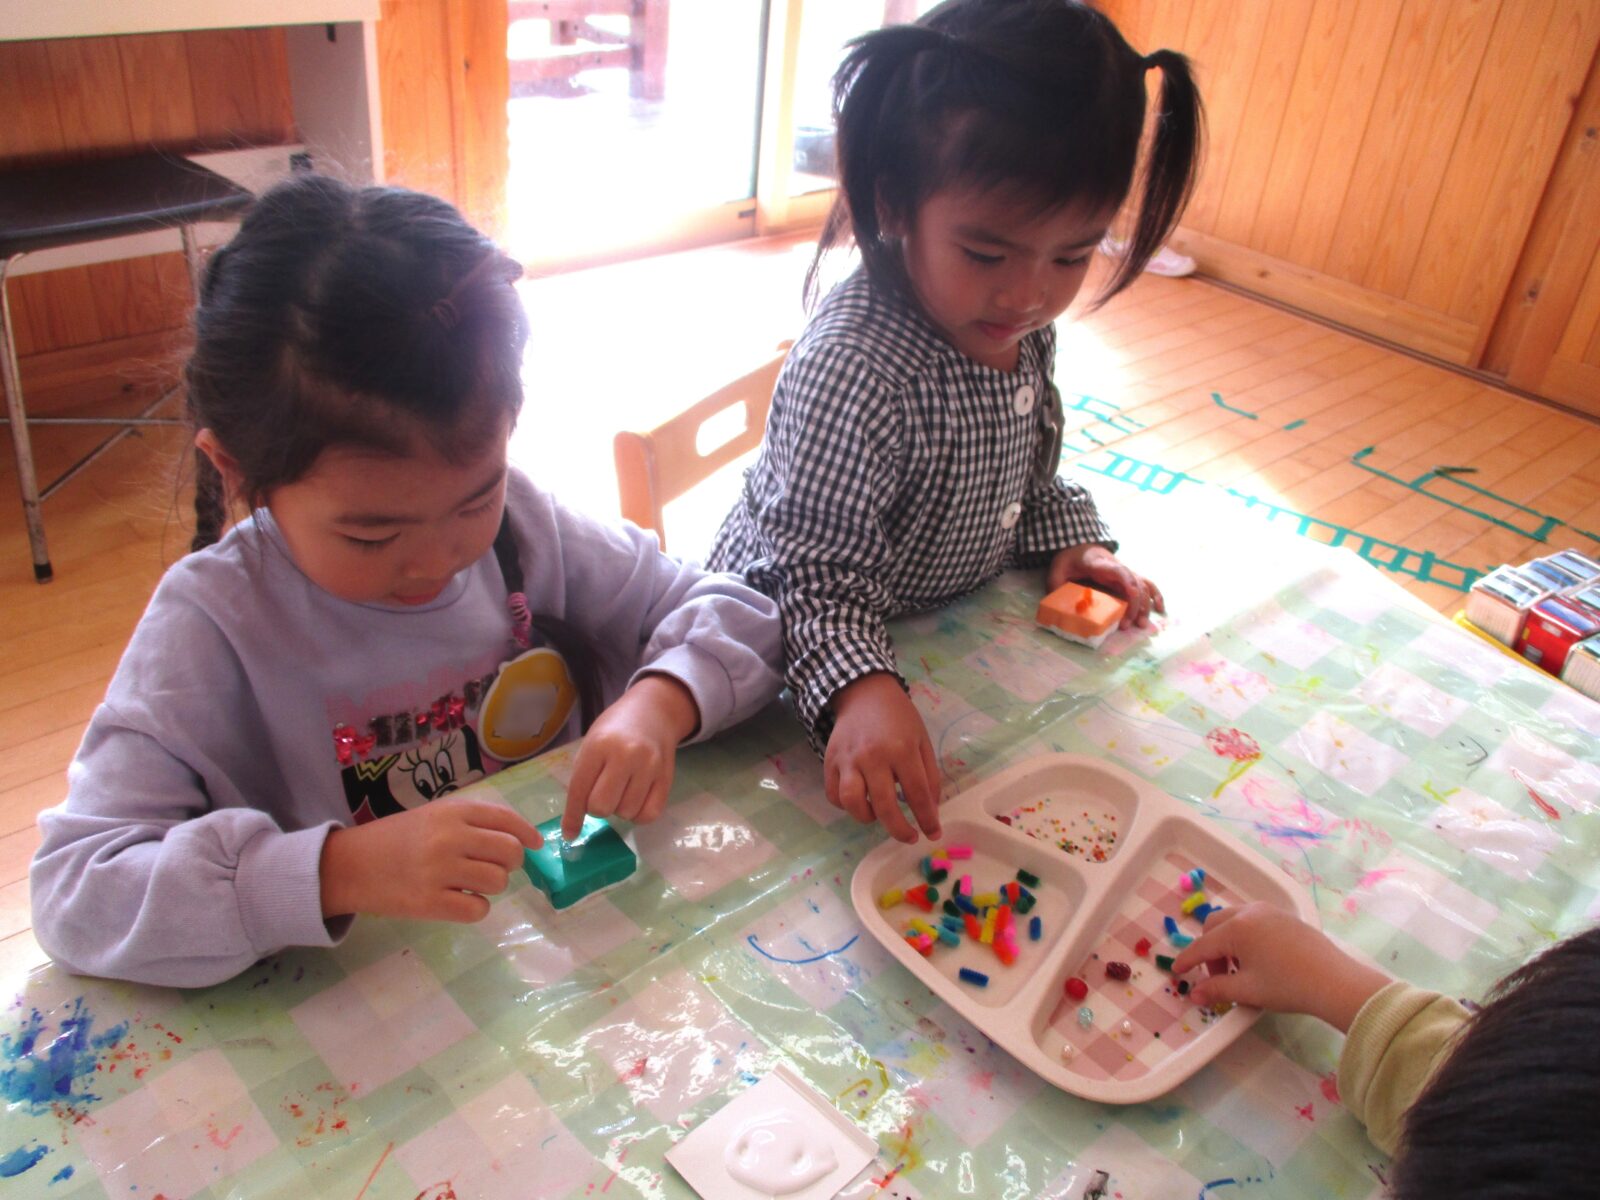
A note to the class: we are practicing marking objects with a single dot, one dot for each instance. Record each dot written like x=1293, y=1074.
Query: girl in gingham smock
x=911, y=451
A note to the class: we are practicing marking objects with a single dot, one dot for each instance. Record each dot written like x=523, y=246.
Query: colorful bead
x=1119, y=971
x=1035, y=929
x=1142, y=947
x=1077, y=988
x=1086, y=1016
x=968, y=975
x=1027, y=879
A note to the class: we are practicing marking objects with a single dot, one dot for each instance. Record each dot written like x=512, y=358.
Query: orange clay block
x=1080, y=614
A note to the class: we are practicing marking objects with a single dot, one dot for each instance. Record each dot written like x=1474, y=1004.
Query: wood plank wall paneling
x=81, y=97
x=1544, y=319
x=445, y=81
x=1380, y=162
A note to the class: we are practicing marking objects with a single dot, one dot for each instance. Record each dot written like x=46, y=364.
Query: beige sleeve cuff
x=1397, y=1041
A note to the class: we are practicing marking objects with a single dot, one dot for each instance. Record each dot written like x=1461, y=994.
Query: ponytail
x=871, y=91
x=210, y=510
x=1170, y=169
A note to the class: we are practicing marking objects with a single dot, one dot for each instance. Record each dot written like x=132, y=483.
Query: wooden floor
x=1174, y=386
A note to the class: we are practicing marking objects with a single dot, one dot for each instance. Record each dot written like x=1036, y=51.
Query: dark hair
x=343, y=315
x=1041, y=98
x=1511, y=1113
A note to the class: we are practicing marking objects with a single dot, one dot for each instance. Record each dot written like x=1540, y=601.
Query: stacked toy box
x=1548, y=611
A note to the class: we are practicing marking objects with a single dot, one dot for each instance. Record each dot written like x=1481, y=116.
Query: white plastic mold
x=1093, y=910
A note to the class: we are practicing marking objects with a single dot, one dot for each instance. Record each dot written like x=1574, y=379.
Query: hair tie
x=446, y=313
x=1151, y=60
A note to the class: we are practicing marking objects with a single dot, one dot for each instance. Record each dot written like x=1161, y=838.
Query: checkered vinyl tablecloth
x=536, y=1055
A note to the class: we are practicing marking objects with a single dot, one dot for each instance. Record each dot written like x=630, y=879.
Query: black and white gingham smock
x=896, y=474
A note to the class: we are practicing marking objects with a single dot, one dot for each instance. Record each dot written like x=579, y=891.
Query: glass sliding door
x=646, y=125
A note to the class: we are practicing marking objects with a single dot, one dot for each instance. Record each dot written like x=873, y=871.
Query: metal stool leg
x=21, y=447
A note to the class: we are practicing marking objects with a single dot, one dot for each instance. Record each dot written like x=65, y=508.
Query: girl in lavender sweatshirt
x=400, y=614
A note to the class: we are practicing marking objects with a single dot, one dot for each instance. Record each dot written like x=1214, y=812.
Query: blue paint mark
x=21, y=1159
x=1295, y=424
x=1221, y=403
x=798, y=962
x=1289, y=832
x=64, y=1173
x=1216, y=1183
x=42, y=1079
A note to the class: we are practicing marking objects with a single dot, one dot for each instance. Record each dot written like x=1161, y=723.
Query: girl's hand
x=879, y=740
x=1279, y=963
x=436, y=863
x=1097, y=565
x=624, y=767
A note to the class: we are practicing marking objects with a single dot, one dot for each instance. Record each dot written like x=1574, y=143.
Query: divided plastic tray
x=1110, y=852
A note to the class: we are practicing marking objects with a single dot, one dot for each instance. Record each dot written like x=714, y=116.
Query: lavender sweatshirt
x=254, y=712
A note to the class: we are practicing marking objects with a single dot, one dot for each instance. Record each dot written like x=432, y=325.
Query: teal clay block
x=566, y=872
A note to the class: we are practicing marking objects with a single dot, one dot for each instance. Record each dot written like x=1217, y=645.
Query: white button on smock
x=1023, y=402
x=1009, y=517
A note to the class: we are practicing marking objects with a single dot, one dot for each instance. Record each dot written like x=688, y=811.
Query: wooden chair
x=578, y=44
x=657, y=467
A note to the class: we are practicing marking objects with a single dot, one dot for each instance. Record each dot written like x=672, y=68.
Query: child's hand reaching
x=1093, y=563
x=624, y=767
x=879, y=740
x=1281, y=964
x=434, y=863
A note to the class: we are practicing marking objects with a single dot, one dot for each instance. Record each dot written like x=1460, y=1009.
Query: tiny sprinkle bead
x=890, y=898
x=968, y=975
x=1127, y=1028
x=1067, y=1052
x=1195, y=900
x=938, y=876
x=1035, y=929
x=951, y=907
x=958, y=852
x=1183, y=987
x=1027, y=879
x=1164, y=961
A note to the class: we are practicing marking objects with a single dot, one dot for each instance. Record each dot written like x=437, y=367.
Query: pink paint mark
x=984, y=1081
x=638, y=1068
x=216, y=1137
x=1378, y=876
x=375, y=1169
x=1545, y=806
x=1305, y=1111
x=1330, y=1087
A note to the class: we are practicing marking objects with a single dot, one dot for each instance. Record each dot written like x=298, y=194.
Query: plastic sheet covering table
x=1435, y=797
